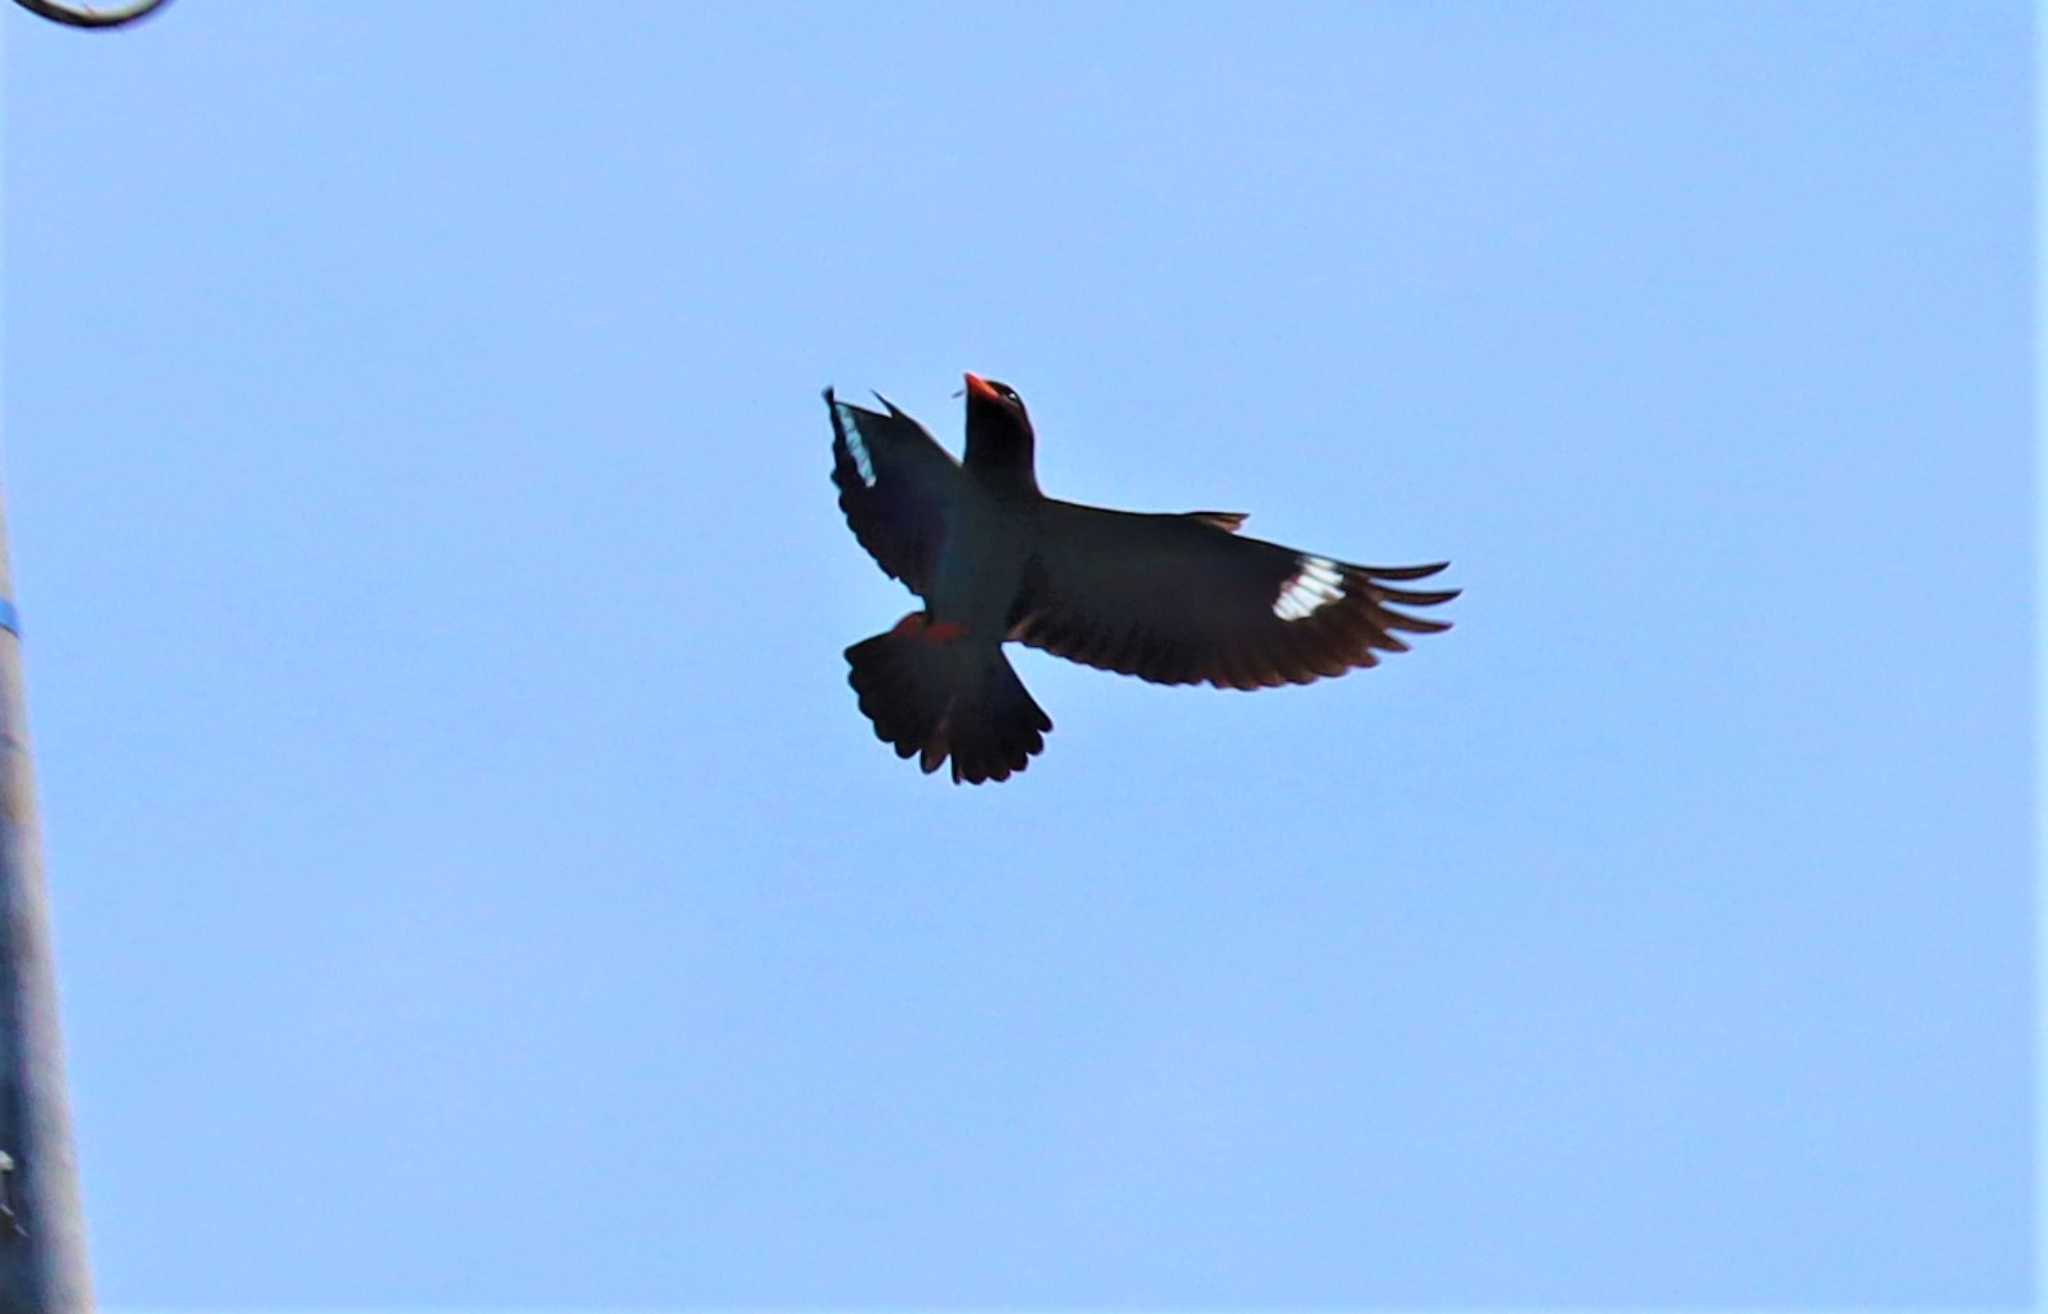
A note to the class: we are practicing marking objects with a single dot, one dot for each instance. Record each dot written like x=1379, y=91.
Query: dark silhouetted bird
x=1175, y=599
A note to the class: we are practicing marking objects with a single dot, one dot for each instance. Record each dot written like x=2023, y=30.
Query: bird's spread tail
x=933, y=695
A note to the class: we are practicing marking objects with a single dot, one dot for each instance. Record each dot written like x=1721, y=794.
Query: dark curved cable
x=70, y=17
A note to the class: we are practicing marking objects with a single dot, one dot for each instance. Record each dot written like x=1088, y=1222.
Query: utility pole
x=42, y=1228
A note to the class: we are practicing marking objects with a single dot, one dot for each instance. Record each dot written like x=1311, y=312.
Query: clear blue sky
x=476, y=886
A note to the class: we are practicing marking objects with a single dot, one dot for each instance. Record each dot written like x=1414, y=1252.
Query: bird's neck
x=1004, y=463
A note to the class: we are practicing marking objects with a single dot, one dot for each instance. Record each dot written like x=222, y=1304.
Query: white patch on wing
x=849, y=424
x=1316, y=585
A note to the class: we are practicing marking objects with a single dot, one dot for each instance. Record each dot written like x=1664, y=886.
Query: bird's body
x=1175, y=599
x=981, y=568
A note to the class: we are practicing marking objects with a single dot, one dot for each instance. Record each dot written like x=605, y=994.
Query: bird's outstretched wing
x=895, y=484
x=1183, y=599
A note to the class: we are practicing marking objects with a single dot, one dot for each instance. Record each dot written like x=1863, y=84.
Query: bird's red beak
x=978, y=387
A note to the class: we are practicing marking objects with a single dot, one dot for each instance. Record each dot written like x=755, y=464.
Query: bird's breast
x=982, y=564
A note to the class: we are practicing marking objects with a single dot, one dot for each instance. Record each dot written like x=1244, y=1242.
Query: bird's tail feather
x=936, y=697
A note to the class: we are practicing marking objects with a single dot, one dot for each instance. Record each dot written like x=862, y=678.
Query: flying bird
x=1174, y=599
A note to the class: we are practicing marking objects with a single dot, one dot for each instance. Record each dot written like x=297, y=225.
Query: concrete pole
x=42, y=1230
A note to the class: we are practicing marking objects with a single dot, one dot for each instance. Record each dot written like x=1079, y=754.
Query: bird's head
x=999, y=441
x=996, y=405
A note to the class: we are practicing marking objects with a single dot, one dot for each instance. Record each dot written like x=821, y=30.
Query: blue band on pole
x=10, y=619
